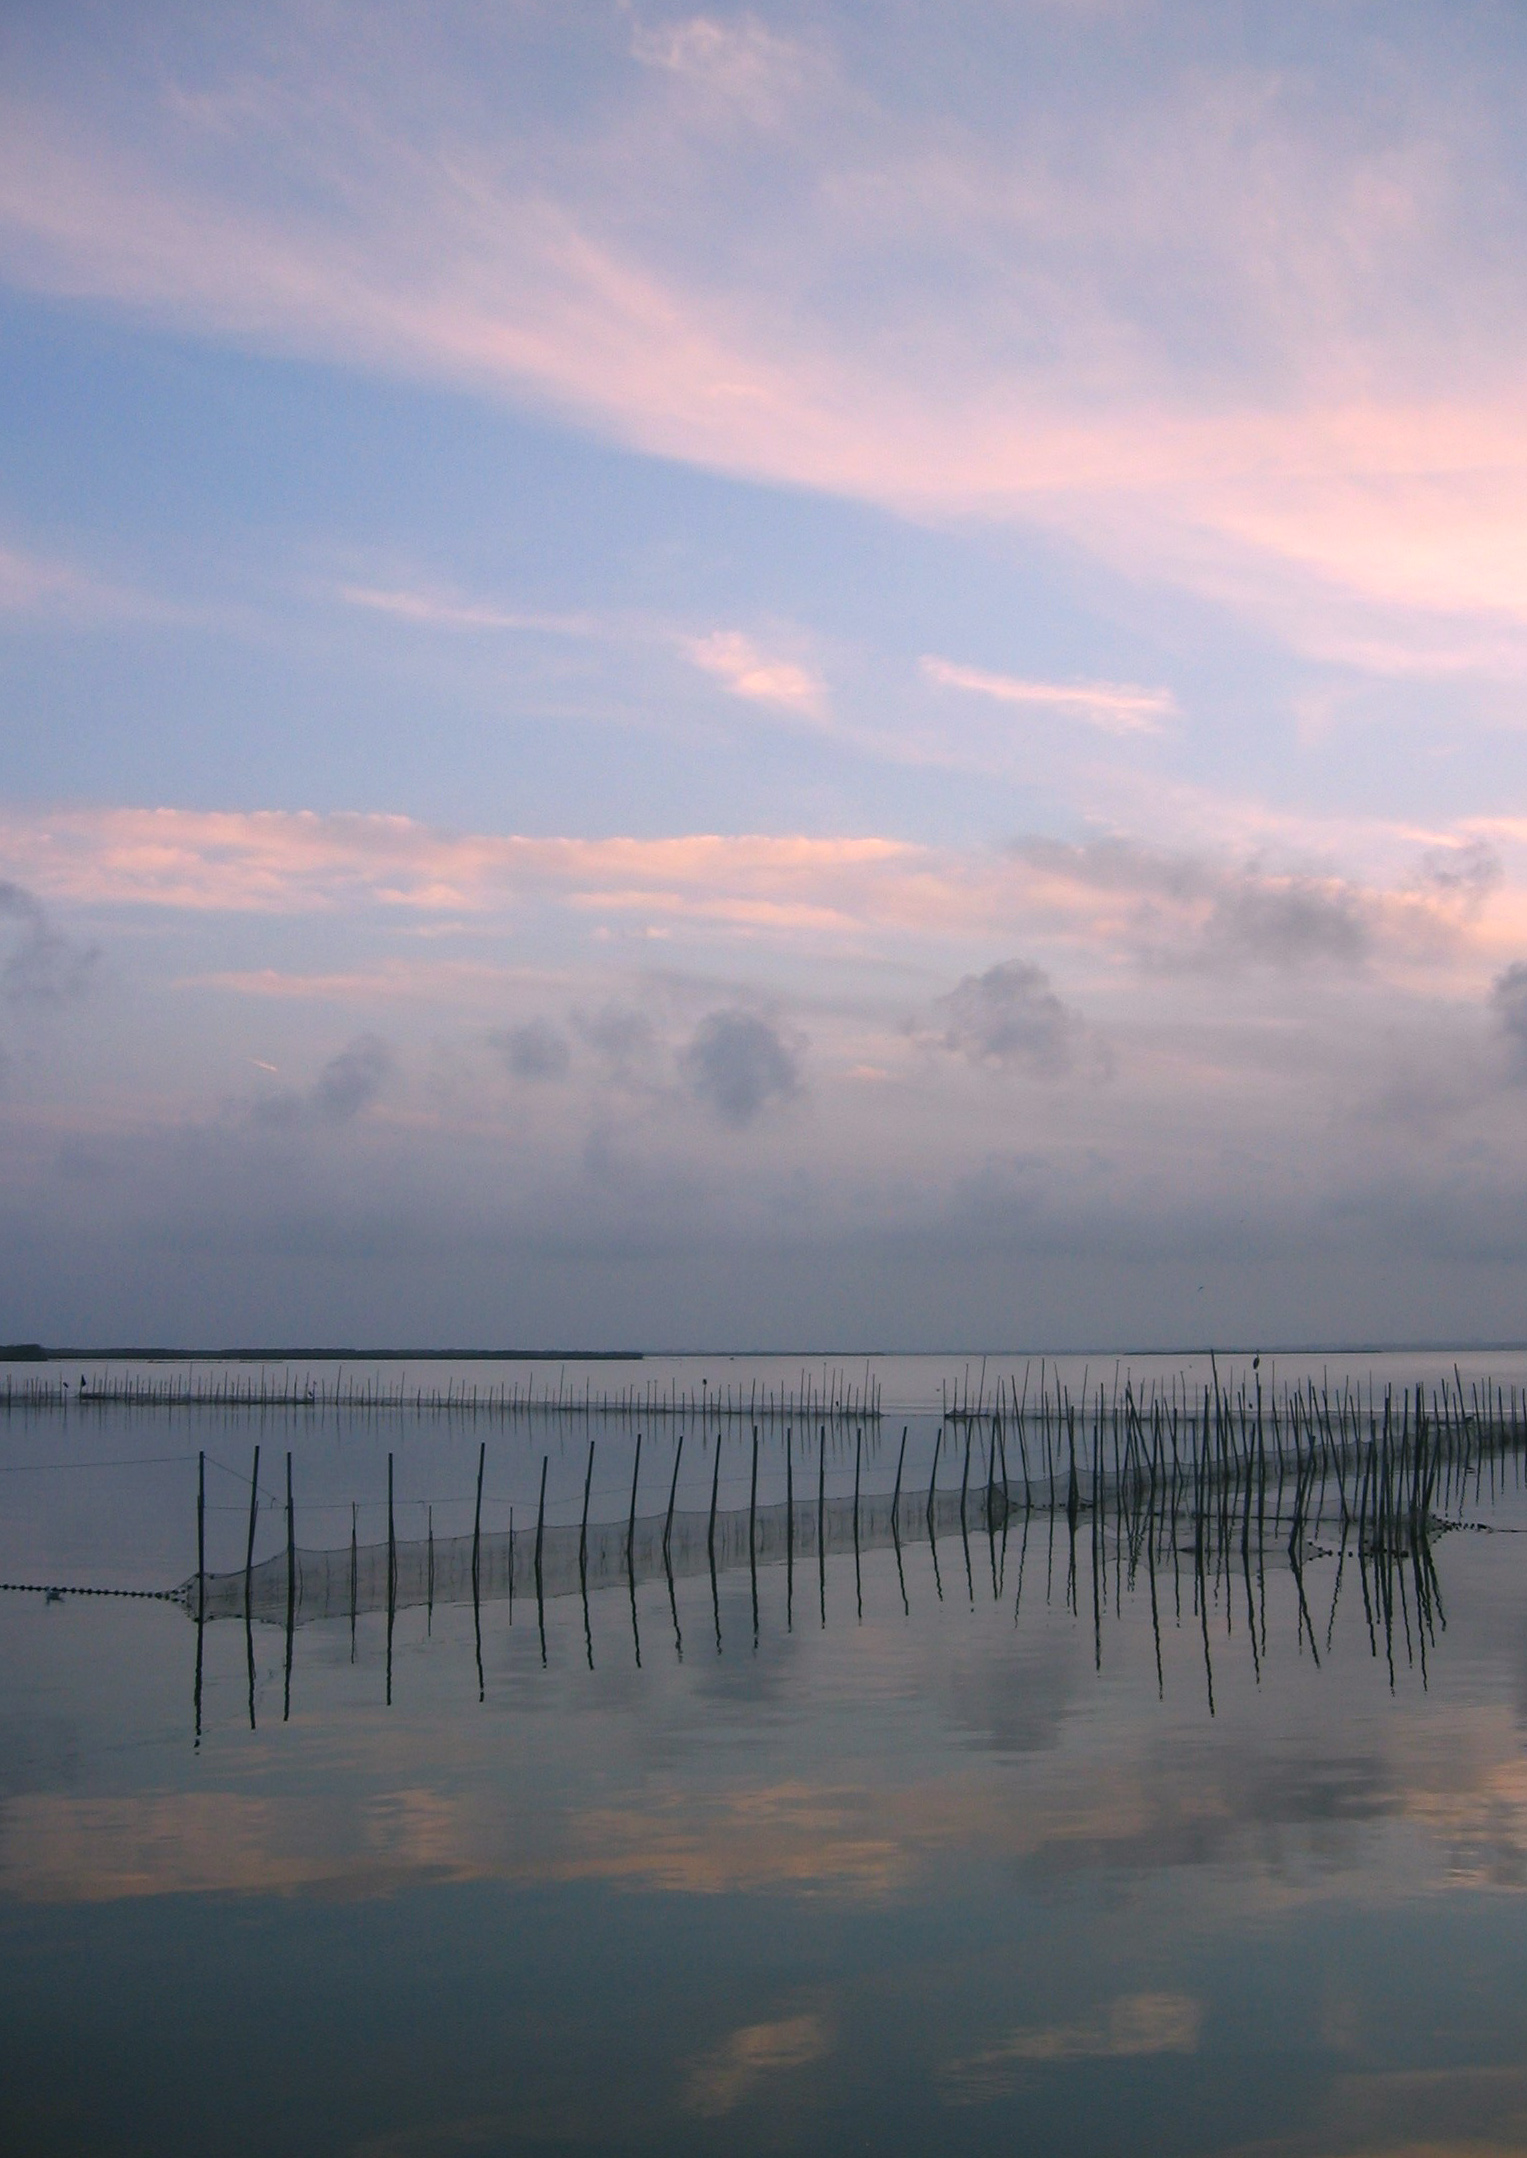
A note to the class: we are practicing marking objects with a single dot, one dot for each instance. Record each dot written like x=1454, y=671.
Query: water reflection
x=886, y=1794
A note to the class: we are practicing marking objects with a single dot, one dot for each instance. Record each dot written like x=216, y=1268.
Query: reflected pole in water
x=1341, y=1560
x=1202, y=1589
x=354, y=1556
x=1023, y=1552
x=673, y=1606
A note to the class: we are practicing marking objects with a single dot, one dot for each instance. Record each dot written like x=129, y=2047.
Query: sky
x=824, y=676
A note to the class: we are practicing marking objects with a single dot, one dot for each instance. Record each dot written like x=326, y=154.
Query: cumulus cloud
x=43, y=966
x=624, y=1043
x=1010, y=1016
x=533, y=1051
x=349, y=1084
x=1464, y=874
x=1185, y=909
x=352, y=1081
x=737, y=1064
x=1509, y=997
x=1286, y=922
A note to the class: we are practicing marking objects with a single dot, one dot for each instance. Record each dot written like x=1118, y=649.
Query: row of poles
x=833, y=1397
x=1378, y=1474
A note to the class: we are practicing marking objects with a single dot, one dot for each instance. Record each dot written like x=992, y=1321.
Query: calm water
x=989, y=1843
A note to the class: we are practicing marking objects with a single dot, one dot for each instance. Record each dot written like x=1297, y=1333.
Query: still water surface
x=923, y=1851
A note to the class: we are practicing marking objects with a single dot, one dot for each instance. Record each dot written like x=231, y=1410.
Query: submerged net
x=358, y=1578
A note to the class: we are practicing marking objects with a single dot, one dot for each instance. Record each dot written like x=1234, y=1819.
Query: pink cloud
x=1113, y=707
x=737, y=662
x=1104, y=901
x=443, y=610
x=1343, y=450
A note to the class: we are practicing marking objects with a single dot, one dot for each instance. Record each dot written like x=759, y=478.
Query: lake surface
x=1038, y=1831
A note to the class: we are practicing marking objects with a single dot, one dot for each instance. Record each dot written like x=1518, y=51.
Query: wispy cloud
x=49, y=588
x=440, y=610
x=762, y=678
x=739, y=65
x=1113, y=707
x=738, y=661
x=1205, y=324
x=1108, y=900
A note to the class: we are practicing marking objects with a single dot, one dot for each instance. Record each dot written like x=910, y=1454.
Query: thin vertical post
x=540, y=1530
x=201, y=1579
x=392, y=1578
x=392, y=1539
x=482, y=1456
x=291, y=1592
x=789, y=1532
x=254, y=1515
x=752, y=1544
x=822, y=1520
x=583, y=1527
x=636, y=1470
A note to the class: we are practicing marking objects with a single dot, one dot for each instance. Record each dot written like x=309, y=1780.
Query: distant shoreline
x=33, y=1352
